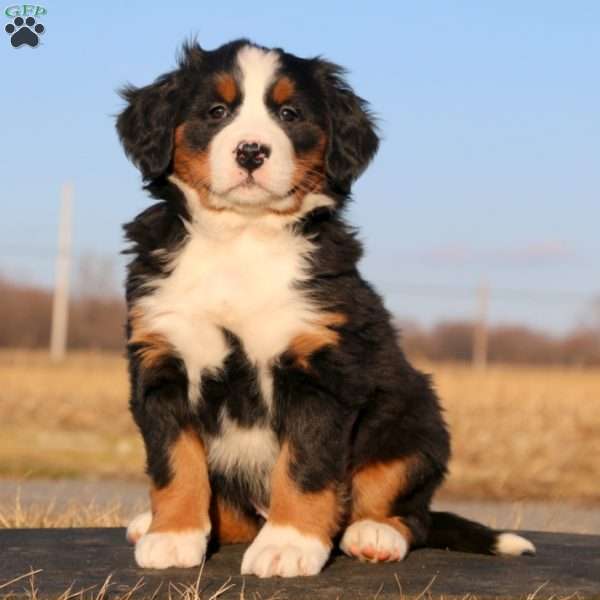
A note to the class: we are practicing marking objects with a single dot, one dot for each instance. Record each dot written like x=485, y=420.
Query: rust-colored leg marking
x=152, y=347
x=229, y=525
x=184, y=503
x=374, y=489
x=313, y=513
x=305, y=344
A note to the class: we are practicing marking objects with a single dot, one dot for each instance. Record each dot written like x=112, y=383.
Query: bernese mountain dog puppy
x=274, y=401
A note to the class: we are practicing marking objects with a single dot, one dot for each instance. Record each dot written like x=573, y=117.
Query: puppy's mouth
x=251, y=183
x=247, y=186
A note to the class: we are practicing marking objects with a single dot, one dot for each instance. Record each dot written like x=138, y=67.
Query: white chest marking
x=241, y=276
x=244, y=453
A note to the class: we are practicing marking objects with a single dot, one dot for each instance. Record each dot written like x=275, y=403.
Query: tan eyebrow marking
x=283, y=90
x=226, y=87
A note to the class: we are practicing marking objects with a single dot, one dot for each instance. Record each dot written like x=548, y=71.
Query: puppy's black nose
x=251, y=155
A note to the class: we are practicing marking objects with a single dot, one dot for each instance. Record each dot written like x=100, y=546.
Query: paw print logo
x=24, y=32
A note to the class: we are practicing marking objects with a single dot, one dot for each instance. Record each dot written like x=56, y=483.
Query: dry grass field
x=517, y=432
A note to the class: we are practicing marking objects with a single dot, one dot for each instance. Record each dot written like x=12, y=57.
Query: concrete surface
x=565, y=566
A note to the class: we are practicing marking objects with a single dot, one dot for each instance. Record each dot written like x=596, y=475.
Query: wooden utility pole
x=480, y=330
x=60, y=303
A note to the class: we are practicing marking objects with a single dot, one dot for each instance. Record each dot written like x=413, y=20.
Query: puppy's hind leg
x=400, y=452
x=388, y=514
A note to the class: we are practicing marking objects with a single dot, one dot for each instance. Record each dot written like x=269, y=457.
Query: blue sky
x=489, y=167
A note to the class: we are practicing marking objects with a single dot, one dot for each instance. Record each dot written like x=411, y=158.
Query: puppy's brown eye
x=218, y=112
x=288, y=113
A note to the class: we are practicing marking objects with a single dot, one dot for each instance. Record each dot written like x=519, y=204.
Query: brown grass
x=67, y=419
x=193, y=591
x=16, y=515
x=518, y=432
x=523, y=432
x=107, y=591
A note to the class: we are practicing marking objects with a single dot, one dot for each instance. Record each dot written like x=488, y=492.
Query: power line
x=388, y=288
x=522, y=294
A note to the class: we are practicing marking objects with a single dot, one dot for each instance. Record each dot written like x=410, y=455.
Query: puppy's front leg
x=296, y=539
x=176, y=532
x=180, y=524
x=305, y=503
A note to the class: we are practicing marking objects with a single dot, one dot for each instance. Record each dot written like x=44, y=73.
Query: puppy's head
x=250, y=129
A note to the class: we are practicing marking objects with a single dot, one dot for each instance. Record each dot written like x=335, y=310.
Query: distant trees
x=96, y=312
x=24, y=315
x=453, y=340
x=97, y=319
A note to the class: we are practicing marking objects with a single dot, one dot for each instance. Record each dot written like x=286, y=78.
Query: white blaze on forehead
x=258, y=68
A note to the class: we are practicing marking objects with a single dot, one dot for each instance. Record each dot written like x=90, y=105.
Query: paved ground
x=566, y=565
x=540, y=516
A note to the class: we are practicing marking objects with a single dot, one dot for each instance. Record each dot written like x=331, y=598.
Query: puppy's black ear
x=353, y=140
x=147, y=125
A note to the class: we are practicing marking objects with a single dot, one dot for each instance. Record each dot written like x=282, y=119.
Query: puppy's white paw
x=171, y=549
x=138, y=526
x=374, y=542
x=285, y=552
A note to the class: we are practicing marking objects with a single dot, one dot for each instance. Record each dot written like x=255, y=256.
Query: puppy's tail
x=451, y=532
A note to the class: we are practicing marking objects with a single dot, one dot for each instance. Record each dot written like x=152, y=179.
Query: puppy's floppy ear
x=353, y=140
x=146, y=126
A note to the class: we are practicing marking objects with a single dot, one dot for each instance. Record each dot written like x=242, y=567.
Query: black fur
x=147, y=125
x=360, y=402
x=353, y=140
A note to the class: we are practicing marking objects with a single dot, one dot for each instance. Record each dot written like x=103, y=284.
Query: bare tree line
x=453, y=340
x=97, y=318
x=96, y=310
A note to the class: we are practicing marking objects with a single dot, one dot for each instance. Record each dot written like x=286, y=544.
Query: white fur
x=171, y=549
x=380, y=538
x=510, y=543
x=252, y=123
x=138, y=526
x=248, y=453
x=284, y=551
x=238, y=273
